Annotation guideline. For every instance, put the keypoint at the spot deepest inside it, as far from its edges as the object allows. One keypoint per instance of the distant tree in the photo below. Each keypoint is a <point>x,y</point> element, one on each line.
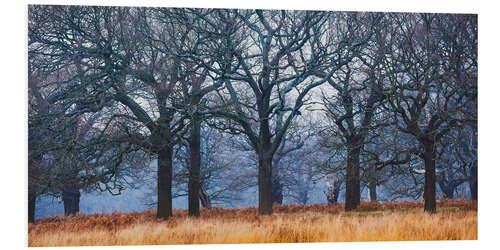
<point>181,34</point>
<point>116,67</point>
<point>220,98</point>
<point>63,147</point>
<point>358,88</point>
<point>456,162</point>
<point>291,143</point>
<point>433,65</point>
<point>269,76</point>
<point>333,189</point>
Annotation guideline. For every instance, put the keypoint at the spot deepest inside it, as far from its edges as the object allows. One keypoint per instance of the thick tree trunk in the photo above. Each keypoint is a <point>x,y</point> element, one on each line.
<point>265,184</point>
<point>353,188</point>
<point>164,206</point>
<point>372,187</point>
<point>71,200</point>
<point>473,181</point>
<point>31,208</point>
<point>430,178</point>
<point>194,168</point>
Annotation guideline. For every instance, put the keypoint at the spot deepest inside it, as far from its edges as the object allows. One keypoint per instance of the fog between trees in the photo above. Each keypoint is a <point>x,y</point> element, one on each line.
<point>225,101</point>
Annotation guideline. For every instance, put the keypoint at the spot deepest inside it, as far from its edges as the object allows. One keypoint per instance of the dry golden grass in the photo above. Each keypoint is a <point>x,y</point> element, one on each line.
<point>455,220</point>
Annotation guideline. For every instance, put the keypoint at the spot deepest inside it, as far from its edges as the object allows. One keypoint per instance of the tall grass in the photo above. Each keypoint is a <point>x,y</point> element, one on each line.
<point>455,220</point>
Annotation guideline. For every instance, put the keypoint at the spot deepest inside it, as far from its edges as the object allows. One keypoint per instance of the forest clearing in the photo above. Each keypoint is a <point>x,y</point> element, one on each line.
<point>372,221</point>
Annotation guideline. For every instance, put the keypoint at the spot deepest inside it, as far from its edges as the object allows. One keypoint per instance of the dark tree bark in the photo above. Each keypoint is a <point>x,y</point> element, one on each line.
<point>164,206</point>
<point>31,208</point>
<point>412,98</point>
<point>430,177</point>
<point>71,200</point>
<point>273,49</point>
<point>204,197</point>
<point>160,141</point>
<point>336,193</point>
<point>265,184</point>
<point>194,167</point>
<point>447,189</point>
<point>372,183</point>
<point>355,136</point>
<point>353,188</point>
<point>447,186</point>
<point>277,190</point>
<point>277,184</point>
<point>195,95</point>
<point>303,187</point>
<point>372,187</point>
<point>473,181</point>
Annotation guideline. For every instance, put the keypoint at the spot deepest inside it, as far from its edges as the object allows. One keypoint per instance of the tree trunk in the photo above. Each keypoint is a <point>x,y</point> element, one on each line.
<point>71,200</point>
<point>265,184</point>
<point>164,206</point>
<point>194,168</point>
<point>277,191</point>
<point>353,188</point>
<point>330,196</point>
<point>303,196</point>
<point>430,178</point>
<point>447,187</point>
<point>336,193</point>
<point>449,194</point>
<point>31,208</point>
<point>277,186</point>
<point>204,197</point>
<point>473,181</point>
<point>372,187</point>
<point>447,190</point>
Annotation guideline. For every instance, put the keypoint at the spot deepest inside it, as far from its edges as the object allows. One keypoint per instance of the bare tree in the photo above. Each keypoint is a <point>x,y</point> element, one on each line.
<point>63,147</point>
<point>269,76</point>
<point>103,43</point>
<point>358,90</point>
<point>432,60</point>
<point>110,87</point>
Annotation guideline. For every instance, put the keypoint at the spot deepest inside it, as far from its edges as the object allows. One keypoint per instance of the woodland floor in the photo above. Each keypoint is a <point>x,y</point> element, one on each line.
<point>372,221</point>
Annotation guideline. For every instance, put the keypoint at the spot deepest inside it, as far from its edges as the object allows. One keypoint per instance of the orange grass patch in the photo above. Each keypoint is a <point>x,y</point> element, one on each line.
<point>455,220</point>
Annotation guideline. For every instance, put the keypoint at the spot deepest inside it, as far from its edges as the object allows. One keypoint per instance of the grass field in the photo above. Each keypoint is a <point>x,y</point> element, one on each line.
<point>405,221</point>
